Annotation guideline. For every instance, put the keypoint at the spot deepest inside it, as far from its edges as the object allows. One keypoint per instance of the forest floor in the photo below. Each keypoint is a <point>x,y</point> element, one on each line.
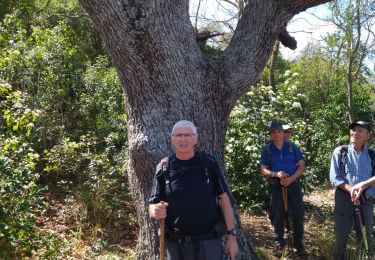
<point>119,241</point>
<point>318,227</point>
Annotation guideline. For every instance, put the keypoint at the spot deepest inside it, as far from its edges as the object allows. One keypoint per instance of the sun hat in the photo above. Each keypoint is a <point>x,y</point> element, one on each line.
<point>275,125</point>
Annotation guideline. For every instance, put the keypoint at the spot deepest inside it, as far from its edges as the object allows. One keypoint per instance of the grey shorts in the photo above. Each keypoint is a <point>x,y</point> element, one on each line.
<point>203,250</point>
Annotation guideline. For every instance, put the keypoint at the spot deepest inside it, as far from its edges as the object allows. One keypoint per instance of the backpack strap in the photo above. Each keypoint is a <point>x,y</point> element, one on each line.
<point>165,171</point>
<point>371,153</point>
<point>291,148</point>
<point>164,164</point>
<point>203,156</point>
<point>268,151</point>
<point>343,154</point>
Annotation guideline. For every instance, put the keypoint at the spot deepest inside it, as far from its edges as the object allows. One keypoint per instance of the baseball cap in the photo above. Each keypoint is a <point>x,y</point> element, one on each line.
<point>275,125</point>
<point>286,127</point>
<point>361,123</point>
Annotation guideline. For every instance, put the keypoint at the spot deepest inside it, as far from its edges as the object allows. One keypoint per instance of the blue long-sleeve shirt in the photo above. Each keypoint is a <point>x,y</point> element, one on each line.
<point>356,169</point>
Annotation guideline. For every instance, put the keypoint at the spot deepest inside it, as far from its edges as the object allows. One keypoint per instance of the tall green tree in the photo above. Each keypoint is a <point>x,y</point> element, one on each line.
<point>353,41</point>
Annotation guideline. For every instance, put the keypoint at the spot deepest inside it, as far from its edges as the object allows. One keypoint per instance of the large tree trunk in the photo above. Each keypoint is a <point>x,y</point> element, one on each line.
<point>167,78</point>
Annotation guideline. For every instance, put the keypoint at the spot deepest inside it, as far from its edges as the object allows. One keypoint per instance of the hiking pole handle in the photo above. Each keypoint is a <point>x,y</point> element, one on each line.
<point>162,237</point>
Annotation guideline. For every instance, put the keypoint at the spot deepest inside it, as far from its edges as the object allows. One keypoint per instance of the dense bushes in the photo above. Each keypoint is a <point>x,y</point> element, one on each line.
<point>248,134</point>
<point>63,128</point>
<point>311,98</point>
<point>20,195</point>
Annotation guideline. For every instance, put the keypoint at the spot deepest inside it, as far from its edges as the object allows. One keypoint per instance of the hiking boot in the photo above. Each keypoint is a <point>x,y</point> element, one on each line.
<point>278,250</point>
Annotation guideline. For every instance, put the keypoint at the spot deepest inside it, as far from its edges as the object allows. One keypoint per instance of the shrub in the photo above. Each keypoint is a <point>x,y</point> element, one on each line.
<point>20,195</point>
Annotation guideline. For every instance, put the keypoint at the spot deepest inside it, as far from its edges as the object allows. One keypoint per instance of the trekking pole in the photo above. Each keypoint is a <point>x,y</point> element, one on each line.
<point>285,198</point>
<point>161,249</point>
<point>162,236</point>
<point>361,227</point>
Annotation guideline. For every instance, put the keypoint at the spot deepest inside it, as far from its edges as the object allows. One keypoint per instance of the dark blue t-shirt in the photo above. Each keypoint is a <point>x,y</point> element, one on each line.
<point>191,194</point>
<point>284,159</point>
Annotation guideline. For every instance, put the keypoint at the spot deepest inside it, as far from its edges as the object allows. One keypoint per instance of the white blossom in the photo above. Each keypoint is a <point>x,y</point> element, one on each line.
<point>287,73</point>
<point>296,105</point>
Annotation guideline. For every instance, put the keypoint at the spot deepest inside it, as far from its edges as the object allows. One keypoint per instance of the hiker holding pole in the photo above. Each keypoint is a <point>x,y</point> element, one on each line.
<point>190,193</point>
<point>351,165</point>
<point>357,189</point>
<point>283,164</point>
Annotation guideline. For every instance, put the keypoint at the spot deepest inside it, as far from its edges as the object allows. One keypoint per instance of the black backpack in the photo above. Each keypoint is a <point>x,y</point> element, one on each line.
<point>165,168</point>
<point>344,155</point>
<point>219,227</point>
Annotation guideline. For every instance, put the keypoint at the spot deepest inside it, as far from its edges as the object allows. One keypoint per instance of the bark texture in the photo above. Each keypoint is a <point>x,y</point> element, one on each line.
<point>166,78</point>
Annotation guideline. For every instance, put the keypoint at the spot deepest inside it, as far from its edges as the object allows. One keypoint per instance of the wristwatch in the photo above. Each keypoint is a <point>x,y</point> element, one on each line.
<point>233,232</point>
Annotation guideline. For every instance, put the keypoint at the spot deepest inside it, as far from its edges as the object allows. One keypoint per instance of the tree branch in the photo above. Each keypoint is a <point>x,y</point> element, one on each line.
<point>257,30</point>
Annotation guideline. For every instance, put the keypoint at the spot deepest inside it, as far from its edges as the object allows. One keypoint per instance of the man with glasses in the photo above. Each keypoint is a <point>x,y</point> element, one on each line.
<point>350,165</point>
<point>282,162</point>
<point>190,193</point>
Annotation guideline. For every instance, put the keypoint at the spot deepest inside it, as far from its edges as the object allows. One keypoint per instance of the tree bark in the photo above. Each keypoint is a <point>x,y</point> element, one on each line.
<point>166,78</point>
<point>271,77</point>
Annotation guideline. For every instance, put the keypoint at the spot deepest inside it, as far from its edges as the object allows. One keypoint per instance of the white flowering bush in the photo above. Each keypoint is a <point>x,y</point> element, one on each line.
<point>248,134</point>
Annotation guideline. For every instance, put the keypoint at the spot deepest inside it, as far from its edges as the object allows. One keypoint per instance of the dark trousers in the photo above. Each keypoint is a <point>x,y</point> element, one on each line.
<point>296,210</point>
<point>344,218</point>
<point>195,250</point>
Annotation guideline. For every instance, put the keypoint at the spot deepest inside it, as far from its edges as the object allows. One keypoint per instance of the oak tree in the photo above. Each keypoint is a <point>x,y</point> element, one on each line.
<point>166,77</point>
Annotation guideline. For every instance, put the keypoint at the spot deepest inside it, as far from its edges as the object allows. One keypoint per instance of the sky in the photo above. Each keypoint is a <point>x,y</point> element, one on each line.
<point>305,27</point>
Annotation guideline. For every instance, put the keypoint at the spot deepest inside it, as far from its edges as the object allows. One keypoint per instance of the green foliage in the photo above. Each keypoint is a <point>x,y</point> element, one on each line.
<point>282,65</point>
<point>248,134</point>
<point>20,195</point>
<point>63,129</point>
<point>212,50</point>
<point>311,97</point>
<point>75,150</point>
<point>93,177</point>
<point>48,63</point>
<point>324,85</point>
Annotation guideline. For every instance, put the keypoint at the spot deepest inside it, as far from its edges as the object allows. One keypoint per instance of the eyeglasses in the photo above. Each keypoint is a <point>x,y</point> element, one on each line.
<point>180,136</point>
<point>287,131</point>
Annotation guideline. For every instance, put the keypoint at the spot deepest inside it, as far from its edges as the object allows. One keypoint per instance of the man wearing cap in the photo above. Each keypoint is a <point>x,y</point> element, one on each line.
<point>287,132</point>
<point>351,164</point>
<point>282,162</point>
